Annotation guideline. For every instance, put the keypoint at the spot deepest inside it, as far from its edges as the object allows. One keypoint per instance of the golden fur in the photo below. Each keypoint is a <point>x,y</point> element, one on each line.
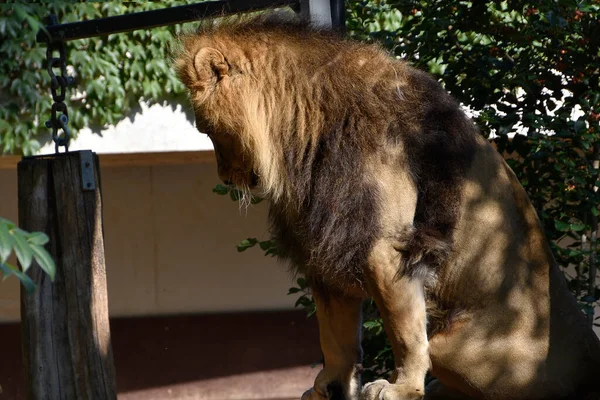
<point>278,102</point>
<point>380,186</point>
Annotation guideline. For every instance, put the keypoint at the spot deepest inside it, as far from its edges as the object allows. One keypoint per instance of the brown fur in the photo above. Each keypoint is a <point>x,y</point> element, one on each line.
<point>377,181</point>
<point>307,136</point>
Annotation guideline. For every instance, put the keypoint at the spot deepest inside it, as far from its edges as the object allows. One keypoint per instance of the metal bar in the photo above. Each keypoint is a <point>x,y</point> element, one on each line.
<point>338,15</point>
<point>154,18</point>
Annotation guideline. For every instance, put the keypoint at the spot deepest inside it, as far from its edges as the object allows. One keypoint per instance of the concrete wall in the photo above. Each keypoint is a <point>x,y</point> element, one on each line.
<point>170,245</point>
<point>170,241</point>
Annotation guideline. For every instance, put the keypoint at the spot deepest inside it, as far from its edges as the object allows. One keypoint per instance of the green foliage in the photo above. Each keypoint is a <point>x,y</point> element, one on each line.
<point>112,73</point>
<point>27,247</point>
<point>305,299</point>
<point>267,246</point>
<point>378,359</point>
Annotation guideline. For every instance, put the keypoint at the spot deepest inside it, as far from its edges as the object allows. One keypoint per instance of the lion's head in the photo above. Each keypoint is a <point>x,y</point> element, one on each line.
<point>234,101</point>
<point>265,96</point>
<point>216,84</point>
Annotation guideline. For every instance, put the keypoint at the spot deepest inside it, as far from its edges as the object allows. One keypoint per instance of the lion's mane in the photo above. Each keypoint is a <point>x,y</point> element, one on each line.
<point>316,109</point>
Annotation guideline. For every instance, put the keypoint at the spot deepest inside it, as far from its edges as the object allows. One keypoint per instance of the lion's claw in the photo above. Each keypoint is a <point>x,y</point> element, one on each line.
<point>383,390</point>
<point>374,390</point>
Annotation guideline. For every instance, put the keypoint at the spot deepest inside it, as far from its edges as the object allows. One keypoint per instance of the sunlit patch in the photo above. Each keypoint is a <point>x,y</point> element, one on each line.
<point>249,385</point>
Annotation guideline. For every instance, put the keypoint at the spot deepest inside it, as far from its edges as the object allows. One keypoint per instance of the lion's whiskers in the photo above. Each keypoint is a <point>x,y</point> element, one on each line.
<point>245,197</point>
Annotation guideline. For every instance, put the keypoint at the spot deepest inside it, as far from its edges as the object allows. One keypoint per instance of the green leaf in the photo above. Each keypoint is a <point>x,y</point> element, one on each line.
<point>271,252</point>
<point>577,227</point>
<point>561,226</point>
<point>44,260</point>
<point>221,189</point>
<point>8,270</point>
<point>579,125</point>
<point>256,199</point>
<point>301,282</point>
<point>266,245</point>
<point>236,194</point>
<point>371,324</point>
<point>303,301</point>
<point>6,241</point>
<point>246,244</point>
<point>38,238</point>
<point>22,249</point>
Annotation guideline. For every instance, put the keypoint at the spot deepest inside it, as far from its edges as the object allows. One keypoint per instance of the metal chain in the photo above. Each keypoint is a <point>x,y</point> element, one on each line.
<point>59,117</point>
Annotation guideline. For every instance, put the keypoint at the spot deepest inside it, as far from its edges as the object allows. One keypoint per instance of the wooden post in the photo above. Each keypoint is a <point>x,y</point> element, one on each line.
<point>65,329</point>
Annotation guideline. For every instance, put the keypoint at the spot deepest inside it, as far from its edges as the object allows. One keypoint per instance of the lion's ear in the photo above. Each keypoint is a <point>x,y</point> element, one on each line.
<point>210,62</point>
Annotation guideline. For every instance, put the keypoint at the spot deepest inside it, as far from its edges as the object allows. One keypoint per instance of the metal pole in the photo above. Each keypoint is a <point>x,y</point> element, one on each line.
<point>154,18</point>
<point>318,12</point>
<point>338,15</point>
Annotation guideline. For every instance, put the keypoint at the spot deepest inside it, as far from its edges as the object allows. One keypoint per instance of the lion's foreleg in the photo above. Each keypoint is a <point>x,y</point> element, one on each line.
<point>401,302</point>
<point>339,330</point>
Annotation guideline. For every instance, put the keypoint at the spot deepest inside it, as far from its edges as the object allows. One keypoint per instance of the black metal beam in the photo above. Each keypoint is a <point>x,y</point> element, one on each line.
<point>338,15</point>
<point>154,18</point>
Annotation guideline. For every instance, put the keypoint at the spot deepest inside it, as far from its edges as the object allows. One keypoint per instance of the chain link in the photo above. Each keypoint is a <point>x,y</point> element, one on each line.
<point>59,117</point>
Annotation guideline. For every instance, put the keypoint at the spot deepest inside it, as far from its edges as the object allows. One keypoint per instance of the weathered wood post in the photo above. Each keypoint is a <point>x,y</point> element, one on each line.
<point>65,329</point>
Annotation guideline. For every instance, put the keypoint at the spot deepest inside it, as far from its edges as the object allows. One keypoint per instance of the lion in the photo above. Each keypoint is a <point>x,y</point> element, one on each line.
<point>380,186</point>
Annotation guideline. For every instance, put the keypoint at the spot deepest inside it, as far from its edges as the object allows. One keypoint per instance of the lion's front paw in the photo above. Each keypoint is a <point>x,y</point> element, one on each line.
<point>383,390</point>
<point>335,384</point>
<point>312,394</point>
<point>324,391</point>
